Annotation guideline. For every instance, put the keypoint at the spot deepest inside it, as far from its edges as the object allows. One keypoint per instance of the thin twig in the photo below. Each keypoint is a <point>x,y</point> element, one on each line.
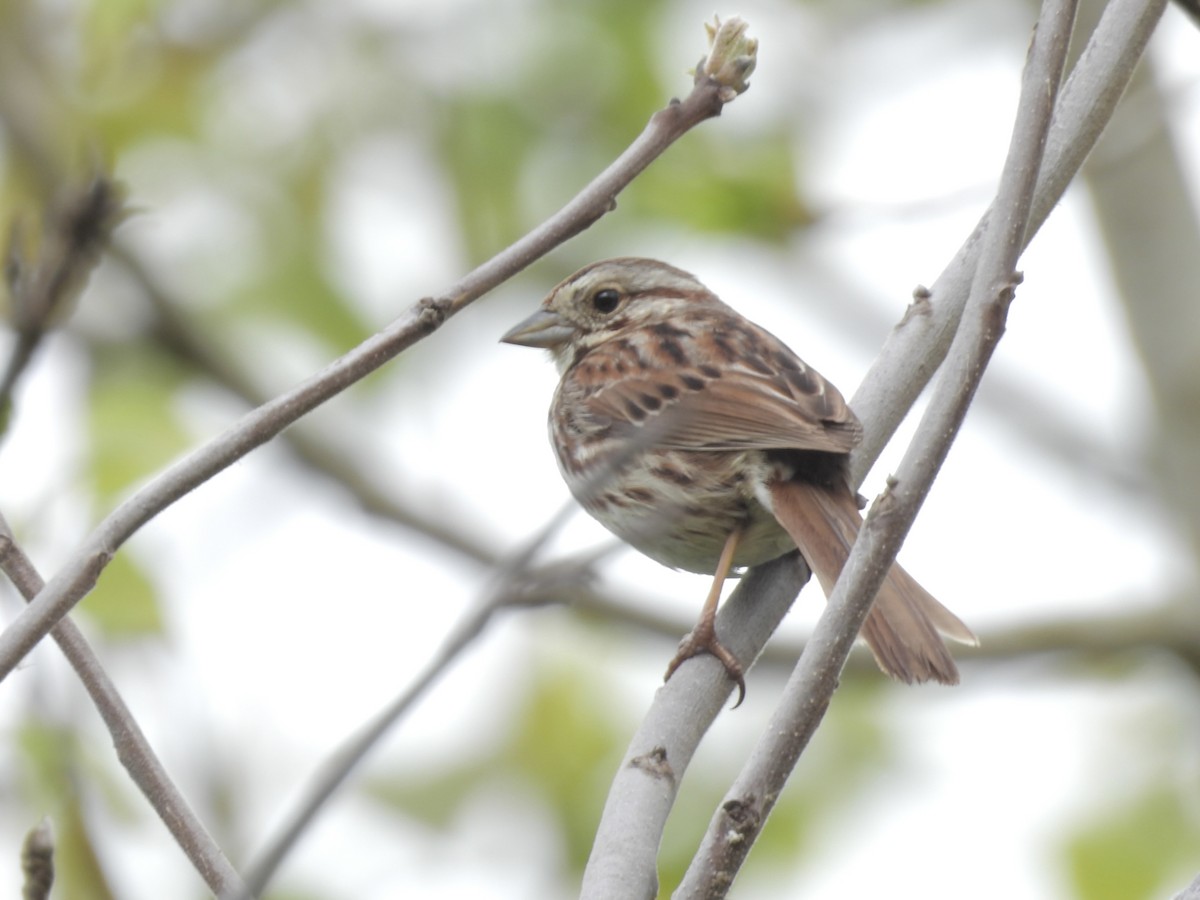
<point>187,339</point>
<point>515,586</point>
<point>133,750</point>
<point>915,348</point>
<point>1052,428</point>
<point>79,573</point>
<point>904,366</point>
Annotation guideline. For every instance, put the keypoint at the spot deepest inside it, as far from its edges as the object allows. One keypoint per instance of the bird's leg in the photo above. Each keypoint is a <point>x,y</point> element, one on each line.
<point>703,638</point>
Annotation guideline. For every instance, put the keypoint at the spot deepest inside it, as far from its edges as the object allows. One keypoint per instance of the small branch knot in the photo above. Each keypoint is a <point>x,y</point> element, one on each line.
<point>654,763</point>
<point>433,311</point>
<point>1009,291</point>
<point>742,818</point>
<point>884,505</point>
<point>922,304</point>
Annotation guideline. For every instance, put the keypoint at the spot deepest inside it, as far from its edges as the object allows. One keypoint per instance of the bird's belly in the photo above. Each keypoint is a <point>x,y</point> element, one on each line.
<point>679,507</point>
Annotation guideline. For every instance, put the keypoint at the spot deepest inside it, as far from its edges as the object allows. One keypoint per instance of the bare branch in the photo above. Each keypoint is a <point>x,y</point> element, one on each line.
<point>78,575</point>
<point>133,750</point>
<point>623,860</point>
<point>718,80</point>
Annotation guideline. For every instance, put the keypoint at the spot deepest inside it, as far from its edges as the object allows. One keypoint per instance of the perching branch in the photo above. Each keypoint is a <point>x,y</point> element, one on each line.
<point>718,80</point>
<point>740,818</point>
<point>624,854</point>
<point>133,750</point>
<point>622,868</point>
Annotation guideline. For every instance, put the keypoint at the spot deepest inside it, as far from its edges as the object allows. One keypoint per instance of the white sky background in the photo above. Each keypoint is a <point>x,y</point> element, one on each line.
<point>911,114</point>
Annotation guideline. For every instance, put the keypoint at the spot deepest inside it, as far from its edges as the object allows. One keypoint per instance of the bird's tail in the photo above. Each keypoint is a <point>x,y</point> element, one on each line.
<point>905,625</point>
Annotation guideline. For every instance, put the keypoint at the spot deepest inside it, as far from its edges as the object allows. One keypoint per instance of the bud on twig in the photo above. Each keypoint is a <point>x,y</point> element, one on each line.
<point>37,861</point>
<point>731,56</point>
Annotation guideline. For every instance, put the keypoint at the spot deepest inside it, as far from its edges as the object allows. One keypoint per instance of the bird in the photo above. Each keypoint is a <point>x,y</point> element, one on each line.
<point>703,441</point>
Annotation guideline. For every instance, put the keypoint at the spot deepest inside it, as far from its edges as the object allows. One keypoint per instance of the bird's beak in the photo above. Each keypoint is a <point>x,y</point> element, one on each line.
<point>545,328</point>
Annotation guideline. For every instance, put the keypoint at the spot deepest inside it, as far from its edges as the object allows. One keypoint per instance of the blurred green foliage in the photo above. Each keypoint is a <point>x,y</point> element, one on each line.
<point>255,110</point>
<point>1137,850</point>
<point>565,743</point>
<point>133,428</point>
<point>124,603</point>
<point>1142,843</point>
<point>569,737</point>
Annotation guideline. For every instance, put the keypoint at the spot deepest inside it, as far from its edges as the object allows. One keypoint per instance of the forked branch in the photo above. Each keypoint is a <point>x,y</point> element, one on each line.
<point>681,713</point>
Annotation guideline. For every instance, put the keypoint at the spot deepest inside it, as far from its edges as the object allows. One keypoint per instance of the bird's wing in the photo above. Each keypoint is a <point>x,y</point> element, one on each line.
<point>713,389</point>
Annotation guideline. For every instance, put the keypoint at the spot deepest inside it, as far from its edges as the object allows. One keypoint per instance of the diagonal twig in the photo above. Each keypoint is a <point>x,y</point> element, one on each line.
<point>514,583</point>
<point>133,749</point>
<point>513,586</point>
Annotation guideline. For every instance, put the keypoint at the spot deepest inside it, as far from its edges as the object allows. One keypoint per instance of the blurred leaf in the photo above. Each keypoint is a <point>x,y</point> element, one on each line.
<point>589,88</point>
<point>598,68</point>
<point>291,282</point>
<point>293,288</point>
<point>112,21</point>
<point>565,742</point>
<point>124,603</point>
<point>434,800</point>
<point>569,742</point>
<point>136,85</point>
<point>484,141</point>
<point>746,189</point>
<point>131,419</point>
<point>1132,852</point>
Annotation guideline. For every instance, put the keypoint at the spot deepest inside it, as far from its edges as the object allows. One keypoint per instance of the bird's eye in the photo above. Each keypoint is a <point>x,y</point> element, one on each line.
<point>606,301</point>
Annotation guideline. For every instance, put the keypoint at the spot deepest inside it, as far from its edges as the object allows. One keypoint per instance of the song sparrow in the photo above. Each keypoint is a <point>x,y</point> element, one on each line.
<point>703,441</point>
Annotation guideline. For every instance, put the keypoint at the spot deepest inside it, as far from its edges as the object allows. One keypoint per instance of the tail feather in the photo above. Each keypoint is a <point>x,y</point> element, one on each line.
<point>905,624</point>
